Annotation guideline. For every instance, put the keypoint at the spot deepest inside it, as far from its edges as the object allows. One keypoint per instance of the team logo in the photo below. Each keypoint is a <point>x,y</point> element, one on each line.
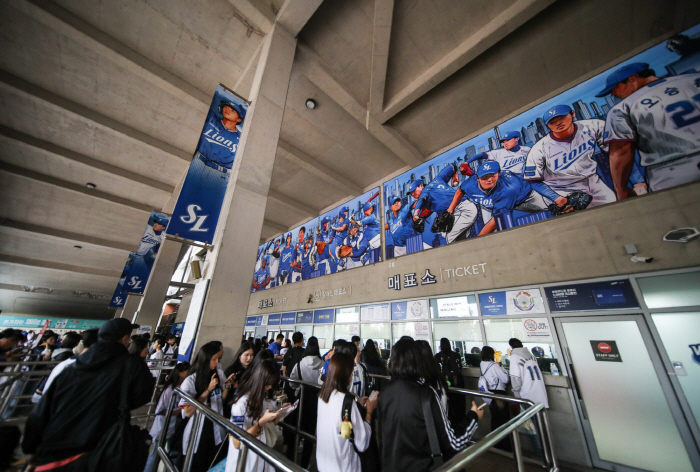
<point>523,301</point>
<point>416,309</point>
<point>487,166</point>
<point>695,348</point>
<point>530,325</point>
<point>193,217</point>
<point>135,282</point>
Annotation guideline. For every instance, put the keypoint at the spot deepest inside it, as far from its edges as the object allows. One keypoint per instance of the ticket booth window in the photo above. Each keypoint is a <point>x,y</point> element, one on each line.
<point>380,333</point>
<point>671,291</point>
<point>324,334</point>
<point>464,337</point>
<point>498,332</point>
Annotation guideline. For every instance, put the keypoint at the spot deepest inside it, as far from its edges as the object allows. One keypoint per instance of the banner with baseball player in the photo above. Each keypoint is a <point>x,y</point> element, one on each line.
<point>346,237</point>
<point>138,266</point>
<point>197,209</point>
<point>630,130</point>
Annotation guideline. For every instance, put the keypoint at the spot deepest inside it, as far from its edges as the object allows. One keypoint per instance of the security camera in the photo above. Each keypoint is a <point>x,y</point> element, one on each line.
<point>642,259</point>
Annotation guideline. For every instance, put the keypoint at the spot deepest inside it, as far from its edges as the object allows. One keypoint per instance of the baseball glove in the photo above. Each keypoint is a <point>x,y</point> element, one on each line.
<point>574,201</point>
<point>320,246</point>
<point>465,169</point>
<point>419,225</point>
<point>443,223</point>
<point>345,251</point>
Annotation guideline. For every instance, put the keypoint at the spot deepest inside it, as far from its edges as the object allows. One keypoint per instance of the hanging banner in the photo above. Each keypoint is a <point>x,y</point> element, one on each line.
<point>346,237</point>
<point>197,209</point>
<point>119,297</point>
<point>643,114</point>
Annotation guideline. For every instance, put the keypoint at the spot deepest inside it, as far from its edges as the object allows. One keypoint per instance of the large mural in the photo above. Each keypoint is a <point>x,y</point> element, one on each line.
<point>630,130</point>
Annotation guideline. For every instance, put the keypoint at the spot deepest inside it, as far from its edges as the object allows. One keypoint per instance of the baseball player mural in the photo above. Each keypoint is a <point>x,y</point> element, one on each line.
<point>144,257</point>
<point>628,131</point>
<point>345,237</point>
<point>197,209</point>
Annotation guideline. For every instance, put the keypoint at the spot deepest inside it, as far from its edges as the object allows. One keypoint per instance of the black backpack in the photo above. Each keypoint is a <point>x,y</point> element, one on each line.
<point>369,458</point>
<point>123,446</point>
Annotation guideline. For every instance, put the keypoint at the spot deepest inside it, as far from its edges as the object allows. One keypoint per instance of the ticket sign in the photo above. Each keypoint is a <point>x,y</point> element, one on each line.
<point>593,296</point>
<point>324,316</point>
<point>251,321</point>
<point>289,318</point>
<point>413,310</point>
<point>273,320</point>
<point>606,351</point>
<point>305,317</point>
<point>513,302</point>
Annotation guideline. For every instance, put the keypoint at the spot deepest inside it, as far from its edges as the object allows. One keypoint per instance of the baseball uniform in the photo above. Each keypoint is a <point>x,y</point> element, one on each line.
<point>286,258</point>
<point>401,228</point>
<point>512,160</point>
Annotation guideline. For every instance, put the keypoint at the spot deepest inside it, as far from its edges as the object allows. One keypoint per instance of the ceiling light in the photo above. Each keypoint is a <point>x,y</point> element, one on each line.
<point>90,185</point>
<point>77,247</point>
<point>310,103</point>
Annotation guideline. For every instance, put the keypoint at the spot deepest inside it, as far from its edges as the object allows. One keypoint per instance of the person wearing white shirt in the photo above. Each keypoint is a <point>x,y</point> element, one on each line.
<point>496,381</point>
<point>157,355</point>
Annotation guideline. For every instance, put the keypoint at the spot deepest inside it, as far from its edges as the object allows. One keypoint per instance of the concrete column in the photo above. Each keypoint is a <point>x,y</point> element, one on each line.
<point>131,306</point>
<point>151,305</point>
<point>231,263</point>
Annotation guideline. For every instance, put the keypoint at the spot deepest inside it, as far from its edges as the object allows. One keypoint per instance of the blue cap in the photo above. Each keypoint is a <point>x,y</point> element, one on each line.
<point>266,259</point>
<point>487,168</point>
<point>235,106</point>
<point>289,235</point>
<point>367,206</point>
<point>556,110</point>
<point>161,219</point>
<point>325,220</point>
<point>511,135</point>
<point>414,185</point>
<point>623,73</point>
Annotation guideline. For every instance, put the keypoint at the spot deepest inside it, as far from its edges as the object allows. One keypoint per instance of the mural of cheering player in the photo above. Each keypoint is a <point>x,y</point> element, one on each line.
<point>298,250</point>
<point>286,259</point>
<point>434,197</point>
<point>340,225</point>
<point>657,118</point>
<point>510,157</point>
<point>499,192</point>
<point>307,257</point>
<point>400,226</point>
<point>273,254</point>
<point>324,257</point>
<point>261,279</point>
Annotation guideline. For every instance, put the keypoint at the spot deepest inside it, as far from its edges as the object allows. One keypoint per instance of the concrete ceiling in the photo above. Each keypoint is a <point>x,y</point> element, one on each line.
<point>114,92</point>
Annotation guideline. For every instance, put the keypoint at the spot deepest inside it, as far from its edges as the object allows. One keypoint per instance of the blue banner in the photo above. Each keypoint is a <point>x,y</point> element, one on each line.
<point>289,318</point>
<point>324,316</point>
<point>493,303</point>
<point>119,297</point>
<point>273,320</point>
<point>251,321</point>
<point>305,317</point>
<point>177,329</point>
<point>197,209</point>
<point>398,311</point>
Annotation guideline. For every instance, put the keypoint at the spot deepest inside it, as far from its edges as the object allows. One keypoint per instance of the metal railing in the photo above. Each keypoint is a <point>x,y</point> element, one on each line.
<point>19,378</point>
<point>247,441</point>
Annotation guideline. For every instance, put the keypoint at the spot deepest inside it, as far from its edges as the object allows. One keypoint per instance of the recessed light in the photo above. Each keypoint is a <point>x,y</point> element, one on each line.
<point>77,247</point>
<point>310,103</point>
<point>90,185</point>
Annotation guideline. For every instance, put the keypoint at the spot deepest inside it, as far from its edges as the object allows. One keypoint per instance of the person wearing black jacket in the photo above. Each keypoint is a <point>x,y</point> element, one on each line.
<point>404,438</point>
<point>82,403</point>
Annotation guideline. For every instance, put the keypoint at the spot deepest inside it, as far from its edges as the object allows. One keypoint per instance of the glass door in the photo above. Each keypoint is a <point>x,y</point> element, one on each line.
<point>630,416</point>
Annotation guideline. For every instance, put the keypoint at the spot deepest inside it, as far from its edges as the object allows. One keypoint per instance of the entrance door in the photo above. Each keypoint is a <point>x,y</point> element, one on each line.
<point>630,416</point>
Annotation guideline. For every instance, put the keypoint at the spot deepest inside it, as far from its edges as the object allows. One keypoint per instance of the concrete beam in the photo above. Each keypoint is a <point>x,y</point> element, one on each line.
<point>294,14</point>
<point>25,261</point>
<point>57,233</point>
<point>508,21</point>
<point>277,227</point>
<point>256,12</point>
<point>55,291</point>
<point>30,141</point>
<point>9,81</point>
<point>320,74</point>
<point>66,23</point>
<point>30,174</point>
<point>290,203</point>
<point>305,161</point>
<point>381,36</point>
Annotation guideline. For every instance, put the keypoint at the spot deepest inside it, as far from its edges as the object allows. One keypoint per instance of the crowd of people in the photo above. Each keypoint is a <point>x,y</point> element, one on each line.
<point>410,422</point>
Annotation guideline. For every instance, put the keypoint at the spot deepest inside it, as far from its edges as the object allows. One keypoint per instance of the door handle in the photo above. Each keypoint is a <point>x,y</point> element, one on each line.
<point>578,391</point>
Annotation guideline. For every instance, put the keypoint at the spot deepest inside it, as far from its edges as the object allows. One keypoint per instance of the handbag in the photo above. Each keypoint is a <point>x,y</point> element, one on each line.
<point>484,385</point>
<point>369,458</point>
<point>123,446</point>
<point>435,452</point>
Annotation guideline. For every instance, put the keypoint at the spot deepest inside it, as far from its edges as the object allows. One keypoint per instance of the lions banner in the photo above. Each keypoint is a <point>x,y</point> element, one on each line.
<point>197,210</point>
<point>346,237</point>
<point>630,130</point>
<point>138,266</point>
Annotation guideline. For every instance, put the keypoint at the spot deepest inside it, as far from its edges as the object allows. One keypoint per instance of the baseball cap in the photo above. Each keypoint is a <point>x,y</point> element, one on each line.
<point>235,106</point>
<point>161,219</point>
<point>396,200</point>
<point>623,73</point>
<point>116,328</point>
<point>289,235</point>
<point>367,206</point>
<point>511,135</point>
<point>325,220</point>
<point>487,168</point>
<point>556,110</point>
<point>415,185</point>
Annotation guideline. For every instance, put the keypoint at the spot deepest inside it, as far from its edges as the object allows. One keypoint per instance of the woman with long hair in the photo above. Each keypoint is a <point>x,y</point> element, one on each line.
<point>404,442</point>
<point>206,386</point>
<point>138,347</point>
<point>496,380</point>
<point>372,359</point>
<point>430,371</point>
<point>252,410</point>
<point>173,380</point>
<point>332,451</point>
<point>263,355</point>
<point>451,368</point>
<point>241,362</point>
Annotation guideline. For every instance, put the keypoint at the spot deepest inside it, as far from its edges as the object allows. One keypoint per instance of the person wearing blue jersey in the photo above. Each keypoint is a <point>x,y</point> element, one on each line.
<point>262,276</point>
<point>360,248</point>
<point>308,258</point>
<point>286,259</point>
<point>144,258</point>
<point>371,226</point>
<point>434,198</point>
<point>510,157</point>
<point>339,225</point>
<point>500,192</point>
<point>273,255</point>
<point>219,142</point>
<point>323,249</point>
<point>298,250</point>
<point>400,225</point>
